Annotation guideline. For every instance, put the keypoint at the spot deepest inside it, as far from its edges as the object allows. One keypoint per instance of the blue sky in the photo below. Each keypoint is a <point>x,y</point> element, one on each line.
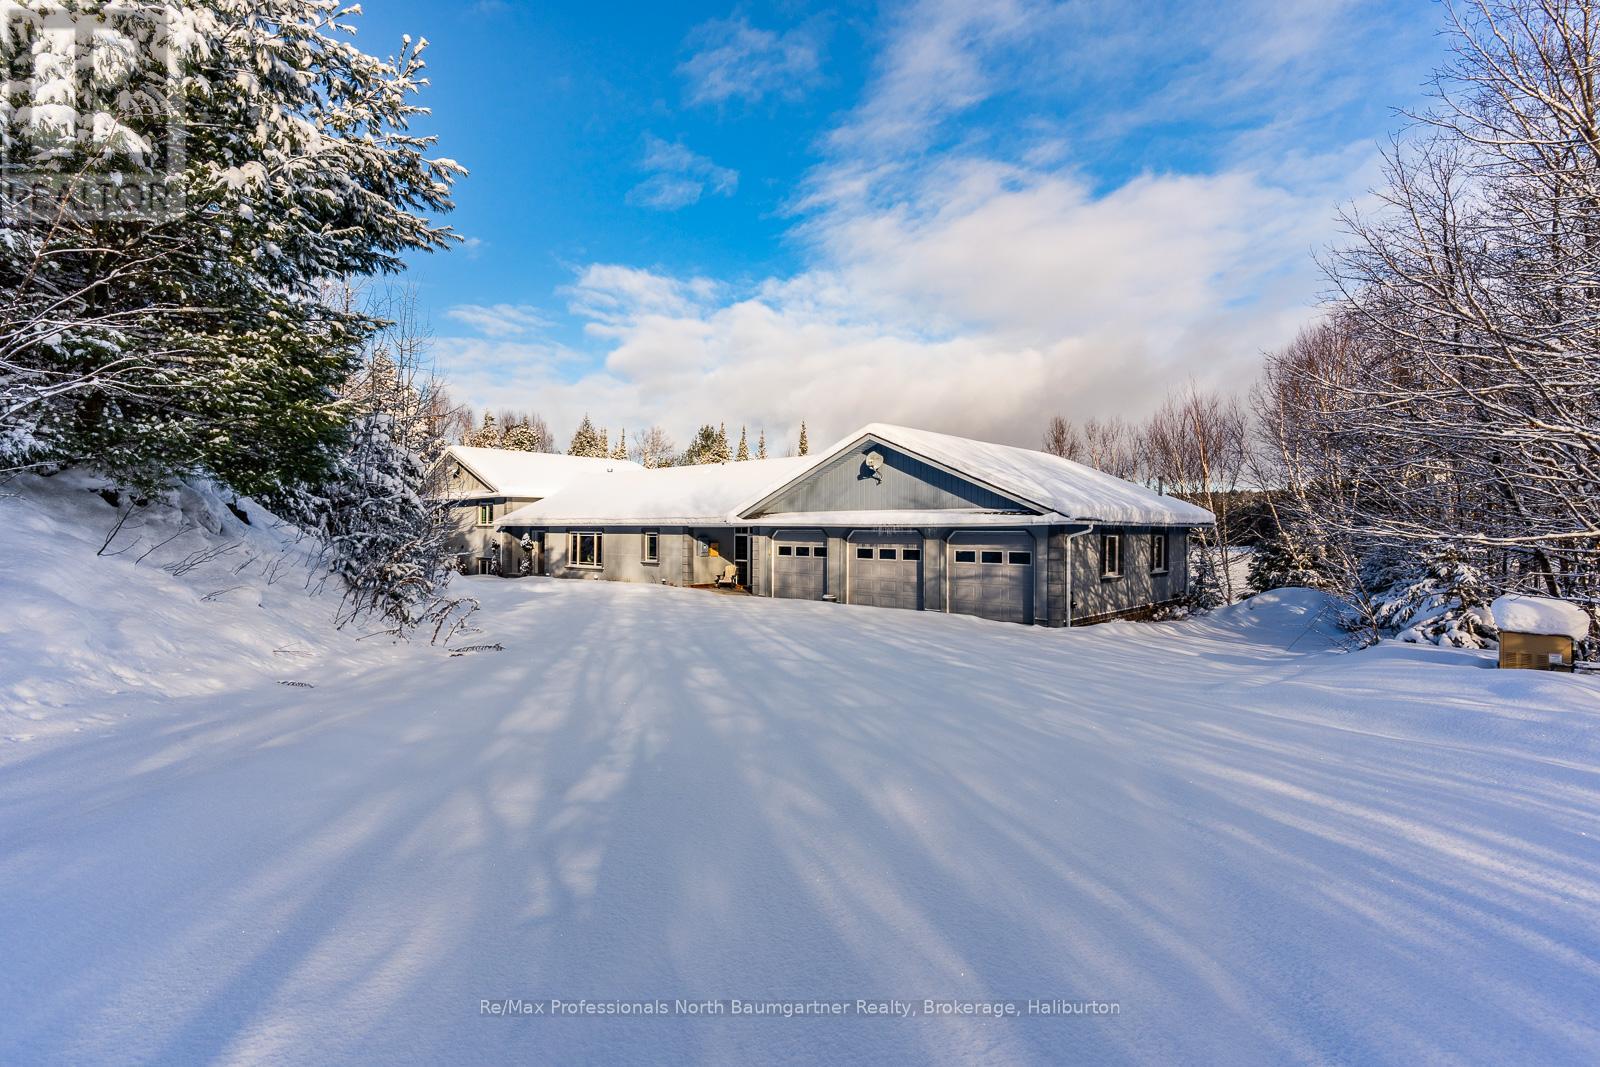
<point>962,216</point>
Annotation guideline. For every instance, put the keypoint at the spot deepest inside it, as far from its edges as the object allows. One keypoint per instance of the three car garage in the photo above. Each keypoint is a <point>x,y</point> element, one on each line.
<point>990,575</point>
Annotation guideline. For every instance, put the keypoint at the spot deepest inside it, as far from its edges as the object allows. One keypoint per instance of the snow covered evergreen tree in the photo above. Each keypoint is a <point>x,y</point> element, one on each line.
<point>521,437</point>
<point>1444,600</point>
<point>761,445</point>
<point>381,529</point>
<point>744,447</point>
<point>805,445</point>
<point>1284,559</point>
<point>487,435</point>
<point>587,441</point>
<point>704,448</point>
<point>187,334</point>
<point>621,451</point>
<point>722,452</point>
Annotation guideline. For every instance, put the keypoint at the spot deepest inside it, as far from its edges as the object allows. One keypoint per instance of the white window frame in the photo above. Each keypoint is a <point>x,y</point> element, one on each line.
<point>1110,548</point>
<point>1158,552</point>
<point>647,553</point>
<point>574,539</point>
<point>485,514</point>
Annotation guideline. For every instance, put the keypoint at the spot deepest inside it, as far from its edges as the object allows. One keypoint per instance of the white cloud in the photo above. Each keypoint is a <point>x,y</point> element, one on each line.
<point>499,320</point>
<point>735,60</point>
<point>983,300</point>
<point>934,64</point>
<point>980,288</point>
<point>681,177</point>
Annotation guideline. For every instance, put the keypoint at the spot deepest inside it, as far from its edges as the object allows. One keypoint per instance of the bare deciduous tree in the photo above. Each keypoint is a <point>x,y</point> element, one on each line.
<point>653,448</point>
<point>1196,445</point>
<point>1470,418</point>
<point>1061,438</point>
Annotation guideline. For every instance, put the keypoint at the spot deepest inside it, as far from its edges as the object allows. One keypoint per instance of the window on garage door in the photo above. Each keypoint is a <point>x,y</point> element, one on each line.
<point>886,575</point>
<point>993,581</point>
<point>799,570</point>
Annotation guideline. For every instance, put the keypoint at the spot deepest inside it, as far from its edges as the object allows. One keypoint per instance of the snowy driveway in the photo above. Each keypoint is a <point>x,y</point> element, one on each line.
<point>652,794</point>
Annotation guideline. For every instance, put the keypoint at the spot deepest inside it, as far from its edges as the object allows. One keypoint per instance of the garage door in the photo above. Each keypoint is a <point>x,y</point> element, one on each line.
<point>799,569</point>
<point>886,575</point>
<point>993,581</point>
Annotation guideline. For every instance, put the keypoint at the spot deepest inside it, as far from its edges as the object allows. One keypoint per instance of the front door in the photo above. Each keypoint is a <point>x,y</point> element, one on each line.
<point>741,557</point>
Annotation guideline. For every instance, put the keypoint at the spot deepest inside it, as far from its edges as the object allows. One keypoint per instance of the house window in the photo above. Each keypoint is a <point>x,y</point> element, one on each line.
<point>863,553</point>
<point>820,550</point>
<point>802,550</point>
<point>1111,555</point>
<point>887,553</point>
<point>912,554</point>
<point>993,557</point>
<point>1158,553</point>
<point>584,549</point>
<point>650,550</point>
<point>785,550</point>
<point>485,514</point>
<point>1020,559</point>
<point>966,555</point>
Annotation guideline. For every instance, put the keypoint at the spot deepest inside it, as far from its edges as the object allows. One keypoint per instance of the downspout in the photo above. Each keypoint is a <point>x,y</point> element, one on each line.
<point>1071,537</point>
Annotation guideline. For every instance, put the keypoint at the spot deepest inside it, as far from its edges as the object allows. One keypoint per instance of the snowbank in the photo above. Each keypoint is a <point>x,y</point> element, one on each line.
<point>1540,615</point>
<point>185,598</point>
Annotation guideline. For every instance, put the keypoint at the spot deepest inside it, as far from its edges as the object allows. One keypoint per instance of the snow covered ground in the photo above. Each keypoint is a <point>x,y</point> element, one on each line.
<point>1258,847</point>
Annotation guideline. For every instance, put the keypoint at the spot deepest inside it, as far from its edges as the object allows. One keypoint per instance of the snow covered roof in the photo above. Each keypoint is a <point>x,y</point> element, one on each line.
<point>1054,485</point>
<point>1540,615</point>
<point>702,494</point>
<point>511,472</point>
<point>907,519</point>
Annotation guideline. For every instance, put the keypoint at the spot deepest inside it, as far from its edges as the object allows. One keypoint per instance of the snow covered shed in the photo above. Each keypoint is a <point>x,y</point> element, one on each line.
<point>482,485</point>
<point>888,517</point>
<point>1538,633</point>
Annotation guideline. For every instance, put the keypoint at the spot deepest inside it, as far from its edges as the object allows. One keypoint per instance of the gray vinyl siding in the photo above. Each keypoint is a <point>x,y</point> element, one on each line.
<point>469,542</point>
<point>679,561</point>
<point>461,482</point>
<point>908,484</point>
<point>621,554</point>
<point>1095,596</point>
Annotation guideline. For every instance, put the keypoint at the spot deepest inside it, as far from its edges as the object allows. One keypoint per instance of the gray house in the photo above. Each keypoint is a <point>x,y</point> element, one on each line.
<point>889,517</point>
<point>483,485</point>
